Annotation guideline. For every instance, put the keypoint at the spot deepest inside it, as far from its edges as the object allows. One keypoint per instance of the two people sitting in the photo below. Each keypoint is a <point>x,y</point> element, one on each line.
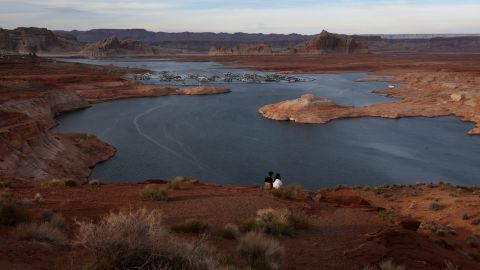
<point>273,182</point>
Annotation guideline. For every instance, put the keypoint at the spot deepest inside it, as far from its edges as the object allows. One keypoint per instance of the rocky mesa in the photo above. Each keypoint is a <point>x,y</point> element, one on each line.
<point>241,49</point>
<point>25,40</point>
<point>329,43</point>
<point>111,47</point>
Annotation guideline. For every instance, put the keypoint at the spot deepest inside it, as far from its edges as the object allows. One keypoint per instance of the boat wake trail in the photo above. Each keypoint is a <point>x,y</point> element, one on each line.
<point>193,161</point>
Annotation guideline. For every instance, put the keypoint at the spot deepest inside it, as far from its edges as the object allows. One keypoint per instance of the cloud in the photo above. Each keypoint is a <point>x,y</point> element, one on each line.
<point>280,16</point>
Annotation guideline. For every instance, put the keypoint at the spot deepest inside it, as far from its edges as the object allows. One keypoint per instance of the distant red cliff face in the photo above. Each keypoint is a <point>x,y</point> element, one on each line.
<point>328,43</point>
<point>242,49</point>
<point>111,47</point>
<point>26,40</point>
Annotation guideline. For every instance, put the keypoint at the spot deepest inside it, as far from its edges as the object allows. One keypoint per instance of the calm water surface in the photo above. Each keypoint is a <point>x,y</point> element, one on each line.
<point>222,139</point>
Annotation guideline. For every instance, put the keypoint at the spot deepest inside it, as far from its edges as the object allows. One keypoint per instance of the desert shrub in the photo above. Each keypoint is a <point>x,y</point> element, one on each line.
<point>54,219</point>
<point>5,183</point>
<point>475,221</point>
<point>153,193</point>
<point>52,183</point>
<point>450,266</point>
<point>70,183</point>
<point>288,192</point>
<point>387,215</point>
<point>260,251</point>
<point>44,232</point>
<point>385,265</point>
<point>137,239</point>
<point>435,206</point>
<point>437,228</point>
<point>12,213</point>
<point>276,222</point>
<point>175,184</point>
<point>230,231</point>
<point>474,256</point>
<point>191,225</point>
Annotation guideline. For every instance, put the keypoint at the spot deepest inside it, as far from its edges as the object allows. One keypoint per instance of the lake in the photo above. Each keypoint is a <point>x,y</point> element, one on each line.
<point>222,139</point>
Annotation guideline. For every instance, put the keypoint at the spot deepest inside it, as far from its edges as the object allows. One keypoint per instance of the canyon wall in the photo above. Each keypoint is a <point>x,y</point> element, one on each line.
<point>242,49</point>
<point>26,40</point>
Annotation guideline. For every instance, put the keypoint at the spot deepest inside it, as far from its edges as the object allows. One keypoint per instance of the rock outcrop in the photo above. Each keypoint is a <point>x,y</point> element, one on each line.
<point>242,49</point>
<point>328,43</point>
<point>203,90</point>
<point>111,47</point>
<point>306,109</point>
<point>26,40</point>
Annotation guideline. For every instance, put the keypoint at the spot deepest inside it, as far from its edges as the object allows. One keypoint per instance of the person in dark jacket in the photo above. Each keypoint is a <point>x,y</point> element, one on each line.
<point>268,181</point>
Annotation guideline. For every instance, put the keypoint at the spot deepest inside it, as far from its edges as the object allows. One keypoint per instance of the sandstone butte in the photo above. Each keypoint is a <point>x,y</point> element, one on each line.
<point>33,92</point>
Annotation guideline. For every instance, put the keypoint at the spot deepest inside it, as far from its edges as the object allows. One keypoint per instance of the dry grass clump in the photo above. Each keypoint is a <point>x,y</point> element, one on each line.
<point>191,225</point>
<point>137,240</point>
<point>260,252</point>
<point>230,231</point>
<point>55,219</point>
<point>44,232</point>
<point>276,222</point>
<point>385,265</point>
<point>387,215</point>
<point>288,192</point>
<point>153,193</point>
<point>12,213</point>
<point>175,184</point>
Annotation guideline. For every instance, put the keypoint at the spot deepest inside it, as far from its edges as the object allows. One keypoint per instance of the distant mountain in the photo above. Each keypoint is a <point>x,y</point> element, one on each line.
<point>188,41</point>
<point>26,40</point>
<point>242,49</point>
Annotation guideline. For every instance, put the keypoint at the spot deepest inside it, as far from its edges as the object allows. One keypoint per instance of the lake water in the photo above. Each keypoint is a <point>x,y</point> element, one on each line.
<point>222,139</point>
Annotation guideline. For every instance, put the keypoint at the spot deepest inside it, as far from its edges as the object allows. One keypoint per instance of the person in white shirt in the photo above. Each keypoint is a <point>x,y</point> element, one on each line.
<point>278,182</point>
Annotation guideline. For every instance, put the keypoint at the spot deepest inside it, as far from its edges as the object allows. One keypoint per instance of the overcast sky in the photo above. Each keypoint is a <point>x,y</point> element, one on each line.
<point>265,16</point>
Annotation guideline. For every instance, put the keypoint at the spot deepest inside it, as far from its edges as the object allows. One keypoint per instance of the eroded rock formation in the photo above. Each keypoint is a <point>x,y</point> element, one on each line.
<point>328,43</point>
<point>26,40</point>
<point>242,49</point>
<point>111,47</point>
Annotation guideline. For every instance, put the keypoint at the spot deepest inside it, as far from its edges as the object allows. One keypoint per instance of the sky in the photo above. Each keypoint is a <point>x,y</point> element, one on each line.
<point>260,16</point>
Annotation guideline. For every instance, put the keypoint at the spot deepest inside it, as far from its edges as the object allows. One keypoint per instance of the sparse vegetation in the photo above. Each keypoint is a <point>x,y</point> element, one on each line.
<point>191,225</point>
<point>387,216</point>
<point>70,183</point>
<point>44,232</point>
<point>288,192</point>
<point>276,222</point>
<point>475,256</point>
<point>153,193</point>
<point>465,216</point>
<point>260,251</point>
<point>230,231</point>
<point>12,213</point>
<point>475,221</point>
<point>437,228</point>
<point>54,219</point>
<point>385,265</point>
<point>137,239</point>
<point>435,206</point>
<point>175,184</point>
<point>444,243</point>
<point>450,266</point>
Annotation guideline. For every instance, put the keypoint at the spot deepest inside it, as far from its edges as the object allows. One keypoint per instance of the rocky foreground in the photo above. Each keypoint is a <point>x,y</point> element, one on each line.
<point>421,227</point>
<point>35,90</point>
